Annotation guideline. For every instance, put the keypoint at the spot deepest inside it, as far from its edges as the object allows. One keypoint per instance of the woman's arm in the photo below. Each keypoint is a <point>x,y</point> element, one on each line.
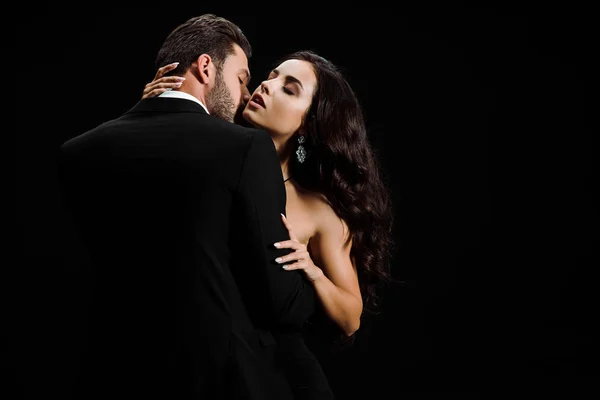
<point>335,280</point>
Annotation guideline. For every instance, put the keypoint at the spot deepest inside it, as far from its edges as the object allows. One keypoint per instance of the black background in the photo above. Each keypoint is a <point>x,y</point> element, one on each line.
<point>482,119</point>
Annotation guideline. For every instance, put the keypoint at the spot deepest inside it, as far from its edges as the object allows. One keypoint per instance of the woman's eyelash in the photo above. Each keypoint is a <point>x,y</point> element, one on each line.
<point>288,91</point>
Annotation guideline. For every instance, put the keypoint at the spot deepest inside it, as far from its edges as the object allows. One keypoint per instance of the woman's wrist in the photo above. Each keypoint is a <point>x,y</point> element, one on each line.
<point>316,275</point>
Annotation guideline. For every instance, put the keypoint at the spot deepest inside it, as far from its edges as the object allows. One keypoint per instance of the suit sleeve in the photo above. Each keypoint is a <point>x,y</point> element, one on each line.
<point>286,296</point>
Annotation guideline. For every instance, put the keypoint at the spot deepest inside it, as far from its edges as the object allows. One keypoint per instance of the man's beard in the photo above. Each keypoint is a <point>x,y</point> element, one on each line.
<point>220,102</point>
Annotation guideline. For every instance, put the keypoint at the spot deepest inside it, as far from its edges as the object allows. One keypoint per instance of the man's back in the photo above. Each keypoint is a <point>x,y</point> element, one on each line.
<point>162,195</point>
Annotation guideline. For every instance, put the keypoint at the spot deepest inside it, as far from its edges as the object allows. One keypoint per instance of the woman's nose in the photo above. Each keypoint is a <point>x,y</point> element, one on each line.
<point>264,88</point>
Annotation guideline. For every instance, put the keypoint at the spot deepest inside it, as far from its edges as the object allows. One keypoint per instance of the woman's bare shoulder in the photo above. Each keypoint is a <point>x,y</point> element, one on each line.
<point>316,202</point>
<point>323,213</point>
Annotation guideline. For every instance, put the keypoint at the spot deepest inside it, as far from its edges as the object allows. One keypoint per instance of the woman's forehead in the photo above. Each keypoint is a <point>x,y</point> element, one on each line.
<point>299,69</point>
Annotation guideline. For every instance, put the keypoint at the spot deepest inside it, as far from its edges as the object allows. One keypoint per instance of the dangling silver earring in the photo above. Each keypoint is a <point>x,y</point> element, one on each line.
<point>301,152</point>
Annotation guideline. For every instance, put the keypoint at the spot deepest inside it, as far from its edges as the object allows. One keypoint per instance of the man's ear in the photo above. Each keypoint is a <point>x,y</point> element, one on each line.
<point>204,68</point>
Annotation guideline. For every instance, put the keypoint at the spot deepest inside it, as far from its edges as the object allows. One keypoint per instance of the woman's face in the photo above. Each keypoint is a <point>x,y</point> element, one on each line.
<point>279,103</point>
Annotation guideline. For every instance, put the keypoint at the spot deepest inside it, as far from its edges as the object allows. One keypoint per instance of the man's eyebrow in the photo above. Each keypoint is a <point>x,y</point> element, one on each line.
<point>289,78</point>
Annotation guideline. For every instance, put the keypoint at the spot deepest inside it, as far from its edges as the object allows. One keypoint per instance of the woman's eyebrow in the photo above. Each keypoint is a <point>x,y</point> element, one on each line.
<point>289,78</point>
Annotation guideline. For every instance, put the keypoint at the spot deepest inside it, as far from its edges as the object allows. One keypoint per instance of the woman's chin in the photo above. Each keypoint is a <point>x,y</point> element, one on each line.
<point>241,119</point>
<point>248,117</point>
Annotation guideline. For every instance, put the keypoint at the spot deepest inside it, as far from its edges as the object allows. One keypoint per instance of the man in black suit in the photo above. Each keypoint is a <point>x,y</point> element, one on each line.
<point>179,208</point>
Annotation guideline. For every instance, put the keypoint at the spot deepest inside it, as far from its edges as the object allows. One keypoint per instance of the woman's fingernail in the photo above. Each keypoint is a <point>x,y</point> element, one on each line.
<point>277,244</point>
<point>278,260</point>
<point>282,215</point>
<point>285,267</point>
<point>175,63</point>
<point>180,78</point>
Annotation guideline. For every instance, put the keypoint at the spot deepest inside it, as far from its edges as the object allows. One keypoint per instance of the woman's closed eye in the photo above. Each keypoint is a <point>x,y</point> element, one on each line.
<point>287,91</point>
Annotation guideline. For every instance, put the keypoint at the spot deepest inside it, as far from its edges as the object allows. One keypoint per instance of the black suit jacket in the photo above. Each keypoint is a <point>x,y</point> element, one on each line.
<point>179,211</point>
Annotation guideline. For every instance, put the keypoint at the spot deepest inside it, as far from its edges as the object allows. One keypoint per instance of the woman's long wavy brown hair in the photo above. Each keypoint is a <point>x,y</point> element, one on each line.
<point>342,165</point>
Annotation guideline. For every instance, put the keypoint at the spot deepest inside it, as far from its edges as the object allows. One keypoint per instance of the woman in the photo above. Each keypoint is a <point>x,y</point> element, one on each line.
<point>338,208</point>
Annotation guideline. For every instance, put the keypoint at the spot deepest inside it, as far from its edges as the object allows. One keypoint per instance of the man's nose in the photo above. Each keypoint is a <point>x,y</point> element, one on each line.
<point>246,95</point>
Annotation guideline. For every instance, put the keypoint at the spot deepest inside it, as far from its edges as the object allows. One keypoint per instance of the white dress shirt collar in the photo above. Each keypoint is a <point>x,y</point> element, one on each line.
<point>182,95</point>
